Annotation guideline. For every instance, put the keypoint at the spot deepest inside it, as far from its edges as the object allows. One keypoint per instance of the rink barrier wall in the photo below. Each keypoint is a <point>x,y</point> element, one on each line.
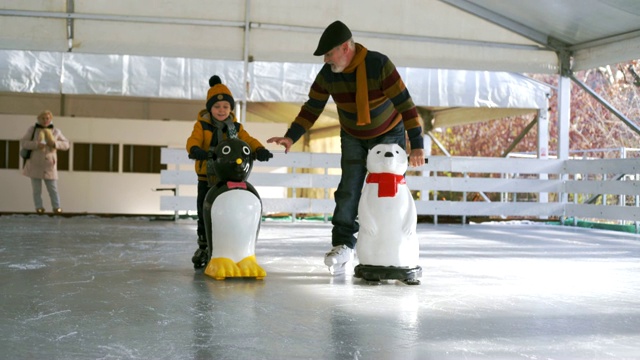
<point>526,187</point>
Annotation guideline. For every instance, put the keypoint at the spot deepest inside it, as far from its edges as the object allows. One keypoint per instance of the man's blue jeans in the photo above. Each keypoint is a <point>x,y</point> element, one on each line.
<point>354,170</point>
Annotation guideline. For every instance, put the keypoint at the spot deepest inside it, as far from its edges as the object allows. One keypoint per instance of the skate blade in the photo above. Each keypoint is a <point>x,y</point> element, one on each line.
<point>338,269</point>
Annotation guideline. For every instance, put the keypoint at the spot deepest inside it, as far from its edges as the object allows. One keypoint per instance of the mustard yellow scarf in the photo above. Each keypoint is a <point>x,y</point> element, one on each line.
<point>362,89</point>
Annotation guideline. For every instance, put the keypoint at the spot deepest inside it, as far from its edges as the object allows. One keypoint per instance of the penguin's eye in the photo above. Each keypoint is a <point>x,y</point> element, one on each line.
<point>378,152</point>
<point>226,150</point>
<point>246,150</point>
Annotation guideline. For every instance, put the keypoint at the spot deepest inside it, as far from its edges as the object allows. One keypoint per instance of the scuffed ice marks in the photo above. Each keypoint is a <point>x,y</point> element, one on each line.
<point>28,266</point>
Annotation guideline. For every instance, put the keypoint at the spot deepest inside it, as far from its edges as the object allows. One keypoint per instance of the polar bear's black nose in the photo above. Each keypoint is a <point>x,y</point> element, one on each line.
<point>388,154</point>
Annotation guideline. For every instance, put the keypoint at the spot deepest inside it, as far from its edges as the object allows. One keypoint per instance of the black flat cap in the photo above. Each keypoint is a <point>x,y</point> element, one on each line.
<point>334,35</point>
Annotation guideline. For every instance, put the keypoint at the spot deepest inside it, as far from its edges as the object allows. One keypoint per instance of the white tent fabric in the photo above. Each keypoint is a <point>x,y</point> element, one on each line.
<point>165,49</point>
<point>494,35</point>
<point>180,78</point>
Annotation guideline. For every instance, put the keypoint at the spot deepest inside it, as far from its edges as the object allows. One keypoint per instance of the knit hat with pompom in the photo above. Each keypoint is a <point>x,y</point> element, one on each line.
<point>218,92</point>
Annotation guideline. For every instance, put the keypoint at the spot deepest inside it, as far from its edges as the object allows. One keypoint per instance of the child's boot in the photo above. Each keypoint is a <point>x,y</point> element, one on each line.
<point>200,257</point>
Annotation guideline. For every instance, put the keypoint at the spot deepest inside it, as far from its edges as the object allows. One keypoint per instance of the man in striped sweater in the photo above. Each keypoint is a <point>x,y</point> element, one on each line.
<point>374,107</point>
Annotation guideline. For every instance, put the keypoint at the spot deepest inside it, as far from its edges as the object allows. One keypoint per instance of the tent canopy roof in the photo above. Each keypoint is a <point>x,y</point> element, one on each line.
<point>494,35</point>
<point>186,40</point>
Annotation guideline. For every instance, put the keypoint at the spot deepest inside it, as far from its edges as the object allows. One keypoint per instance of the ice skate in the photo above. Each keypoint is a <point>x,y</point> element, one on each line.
<point>200,258</point>
<point>338,258</point>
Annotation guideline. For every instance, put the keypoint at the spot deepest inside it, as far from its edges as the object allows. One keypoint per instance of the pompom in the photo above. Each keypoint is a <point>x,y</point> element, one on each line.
<point>214,80</point>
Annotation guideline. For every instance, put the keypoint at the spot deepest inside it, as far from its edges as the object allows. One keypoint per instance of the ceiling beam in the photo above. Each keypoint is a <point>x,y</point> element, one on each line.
<point>400,37</point>
<point>121,18</point>
<point>501,21</point>
<point>610,50</point>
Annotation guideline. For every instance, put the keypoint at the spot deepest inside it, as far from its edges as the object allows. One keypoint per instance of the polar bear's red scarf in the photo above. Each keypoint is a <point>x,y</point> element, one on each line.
<point>387,183</point>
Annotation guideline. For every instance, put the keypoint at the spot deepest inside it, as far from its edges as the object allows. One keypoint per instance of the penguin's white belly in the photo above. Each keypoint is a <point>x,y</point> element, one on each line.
<point>235,220</point>
<point>387,235</point>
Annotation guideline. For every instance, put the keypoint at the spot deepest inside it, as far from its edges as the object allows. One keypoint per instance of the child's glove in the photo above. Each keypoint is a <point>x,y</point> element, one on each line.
<point>263,154</point>
<point>197,153</point>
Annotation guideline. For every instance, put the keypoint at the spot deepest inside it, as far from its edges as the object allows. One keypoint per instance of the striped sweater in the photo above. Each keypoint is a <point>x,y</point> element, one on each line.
<point>389,102</point>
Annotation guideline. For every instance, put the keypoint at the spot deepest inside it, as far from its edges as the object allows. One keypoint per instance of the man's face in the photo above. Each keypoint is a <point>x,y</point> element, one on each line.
<point>337,58</point>
<point>220,110</point>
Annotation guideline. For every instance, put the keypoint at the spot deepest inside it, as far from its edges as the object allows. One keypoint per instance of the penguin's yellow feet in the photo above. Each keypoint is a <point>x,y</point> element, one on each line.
<point>221,268</point>
<point>249,268</point>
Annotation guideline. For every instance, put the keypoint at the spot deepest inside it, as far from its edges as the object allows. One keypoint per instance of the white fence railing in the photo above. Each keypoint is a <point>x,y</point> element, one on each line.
<point>445,186</point>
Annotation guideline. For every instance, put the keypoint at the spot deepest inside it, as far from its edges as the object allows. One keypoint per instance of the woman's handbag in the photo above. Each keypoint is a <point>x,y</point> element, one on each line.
<point>24,153</point>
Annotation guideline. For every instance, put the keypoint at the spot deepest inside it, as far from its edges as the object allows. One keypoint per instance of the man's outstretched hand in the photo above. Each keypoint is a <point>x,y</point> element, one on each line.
<point>416,158</point>
<point>284,141</point>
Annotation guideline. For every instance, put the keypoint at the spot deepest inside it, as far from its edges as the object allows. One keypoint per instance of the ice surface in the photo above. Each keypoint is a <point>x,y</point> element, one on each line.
<point>96,288</point>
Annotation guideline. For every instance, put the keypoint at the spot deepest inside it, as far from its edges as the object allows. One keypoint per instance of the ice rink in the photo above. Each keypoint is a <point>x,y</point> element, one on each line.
<point>124,288</point>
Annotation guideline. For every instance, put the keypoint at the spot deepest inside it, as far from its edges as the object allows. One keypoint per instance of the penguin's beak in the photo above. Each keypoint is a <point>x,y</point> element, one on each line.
<point>238,161</point>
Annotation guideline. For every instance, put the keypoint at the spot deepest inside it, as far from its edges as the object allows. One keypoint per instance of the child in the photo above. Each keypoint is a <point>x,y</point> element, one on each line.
<point>215,123</point>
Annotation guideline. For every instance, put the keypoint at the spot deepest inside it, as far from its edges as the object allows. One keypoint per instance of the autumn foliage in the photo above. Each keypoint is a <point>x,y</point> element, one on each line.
<point>592,126</point>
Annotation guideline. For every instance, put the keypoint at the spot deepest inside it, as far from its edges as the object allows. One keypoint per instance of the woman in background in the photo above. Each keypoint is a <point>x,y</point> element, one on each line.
<point>44,141</point>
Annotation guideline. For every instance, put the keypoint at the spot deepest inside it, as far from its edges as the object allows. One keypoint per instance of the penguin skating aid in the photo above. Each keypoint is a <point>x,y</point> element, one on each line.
<point>233,211</point>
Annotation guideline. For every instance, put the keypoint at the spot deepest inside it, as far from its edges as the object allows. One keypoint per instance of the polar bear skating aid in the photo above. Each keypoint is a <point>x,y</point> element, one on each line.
<point>387,245</point>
